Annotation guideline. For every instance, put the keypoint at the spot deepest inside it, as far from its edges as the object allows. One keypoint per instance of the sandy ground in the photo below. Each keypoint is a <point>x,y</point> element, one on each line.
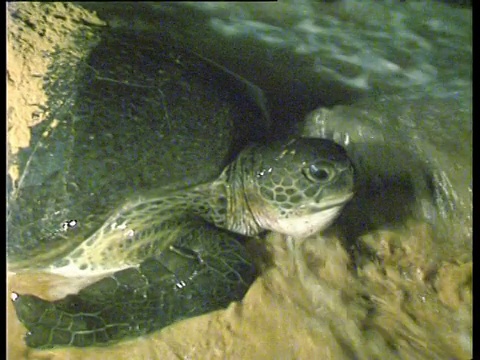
<point>398,304</point>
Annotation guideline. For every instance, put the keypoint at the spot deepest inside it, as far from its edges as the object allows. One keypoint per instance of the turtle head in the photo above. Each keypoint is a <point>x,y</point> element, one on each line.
<point>298,187</point>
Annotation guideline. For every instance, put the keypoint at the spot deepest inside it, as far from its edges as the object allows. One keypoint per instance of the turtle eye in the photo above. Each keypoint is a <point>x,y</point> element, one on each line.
<point>317,173</point>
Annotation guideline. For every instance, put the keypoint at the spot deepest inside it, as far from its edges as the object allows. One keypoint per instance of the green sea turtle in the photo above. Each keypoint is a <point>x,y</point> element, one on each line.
<point>135,115</point>
<point>178,251</point>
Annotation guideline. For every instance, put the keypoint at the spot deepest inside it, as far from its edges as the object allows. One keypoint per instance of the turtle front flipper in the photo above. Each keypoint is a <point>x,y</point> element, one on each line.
<point>188,279</point>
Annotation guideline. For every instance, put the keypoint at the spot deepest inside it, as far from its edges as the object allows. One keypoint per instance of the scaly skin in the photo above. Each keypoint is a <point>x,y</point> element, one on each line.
<point>189,263</point>
<point>179,283</point>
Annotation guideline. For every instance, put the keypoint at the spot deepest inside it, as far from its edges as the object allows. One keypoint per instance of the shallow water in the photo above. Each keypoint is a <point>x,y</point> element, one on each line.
<point>392,82</point>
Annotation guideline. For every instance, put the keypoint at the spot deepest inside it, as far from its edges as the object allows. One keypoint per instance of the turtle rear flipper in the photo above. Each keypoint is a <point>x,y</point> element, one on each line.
<point>181,282</point>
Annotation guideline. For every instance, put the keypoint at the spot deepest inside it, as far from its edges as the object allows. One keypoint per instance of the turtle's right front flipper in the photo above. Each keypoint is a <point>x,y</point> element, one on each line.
<point>178,284</point>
